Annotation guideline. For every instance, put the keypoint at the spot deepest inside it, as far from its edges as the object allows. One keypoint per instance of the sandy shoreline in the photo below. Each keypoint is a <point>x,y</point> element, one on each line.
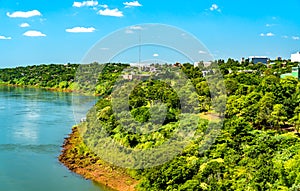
<point>91,167</point>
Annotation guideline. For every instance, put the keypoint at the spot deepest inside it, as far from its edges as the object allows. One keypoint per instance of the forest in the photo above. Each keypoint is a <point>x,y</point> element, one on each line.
<point>52,76</point>
<point>257,146</point>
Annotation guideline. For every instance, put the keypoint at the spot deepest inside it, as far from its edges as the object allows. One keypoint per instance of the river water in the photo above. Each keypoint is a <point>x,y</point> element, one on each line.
<point>33,124</point>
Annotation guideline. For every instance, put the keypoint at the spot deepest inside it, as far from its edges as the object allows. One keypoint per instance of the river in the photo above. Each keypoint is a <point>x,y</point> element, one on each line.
<point>33,125</point>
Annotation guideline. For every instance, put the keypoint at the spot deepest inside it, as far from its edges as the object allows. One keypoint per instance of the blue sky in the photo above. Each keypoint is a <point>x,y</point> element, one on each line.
<point>35,31</point>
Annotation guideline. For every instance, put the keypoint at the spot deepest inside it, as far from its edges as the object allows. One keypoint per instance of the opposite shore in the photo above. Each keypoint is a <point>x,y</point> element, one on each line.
<point>37,87</point>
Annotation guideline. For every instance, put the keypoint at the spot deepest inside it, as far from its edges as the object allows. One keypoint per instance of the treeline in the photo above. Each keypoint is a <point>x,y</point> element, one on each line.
<point>57,76</point>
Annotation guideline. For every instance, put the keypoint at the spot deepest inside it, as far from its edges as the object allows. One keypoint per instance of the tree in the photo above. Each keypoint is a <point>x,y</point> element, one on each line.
<point>265,108</point>
<point>278,116</point>
<point>269,84</point>
<point>231,86</point>
<point>295,121</point>
<point>220,104</point>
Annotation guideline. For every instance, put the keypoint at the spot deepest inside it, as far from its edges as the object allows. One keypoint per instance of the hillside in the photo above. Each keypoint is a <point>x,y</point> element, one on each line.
<point>256,148</point>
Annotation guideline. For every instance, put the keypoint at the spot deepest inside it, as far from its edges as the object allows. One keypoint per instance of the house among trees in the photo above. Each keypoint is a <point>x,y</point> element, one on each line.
<point>295,73</point>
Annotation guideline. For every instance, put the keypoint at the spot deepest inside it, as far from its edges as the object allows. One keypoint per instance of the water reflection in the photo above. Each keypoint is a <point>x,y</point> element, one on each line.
<point>27,131</point>
<point>26,134</point>
<point>50,148</point>
<point>33,125</point>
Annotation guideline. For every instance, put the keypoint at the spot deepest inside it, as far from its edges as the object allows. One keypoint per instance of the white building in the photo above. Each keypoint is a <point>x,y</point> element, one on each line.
<point>295,57</point>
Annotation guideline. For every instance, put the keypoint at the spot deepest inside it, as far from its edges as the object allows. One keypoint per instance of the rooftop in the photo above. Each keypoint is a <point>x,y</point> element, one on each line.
<point>258,57</point>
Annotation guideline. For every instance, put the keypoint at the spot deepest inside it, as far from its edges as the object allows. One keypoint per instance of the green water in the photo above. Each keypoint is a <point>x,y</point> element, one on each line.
<point>33,124</point>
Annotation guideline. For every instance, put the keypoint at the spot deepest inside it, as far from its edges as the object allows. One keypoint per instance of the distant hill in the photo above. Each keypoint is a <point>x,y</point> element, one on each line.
<point>57,76</point>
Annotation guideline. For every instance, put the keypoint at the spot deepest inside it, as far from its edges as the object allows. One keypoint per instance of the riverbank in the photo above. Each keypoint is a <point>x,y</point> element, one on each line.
<point>78,159</point>
<point>66,90</point>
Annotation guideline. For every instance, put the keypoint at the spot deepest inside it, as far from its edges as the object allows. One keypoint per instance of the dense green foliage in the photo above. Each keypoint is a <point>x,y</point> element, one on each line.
<point>254,150</point>
<point>258,147</point>
<point>244,157</point>
<point>56,76</point>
